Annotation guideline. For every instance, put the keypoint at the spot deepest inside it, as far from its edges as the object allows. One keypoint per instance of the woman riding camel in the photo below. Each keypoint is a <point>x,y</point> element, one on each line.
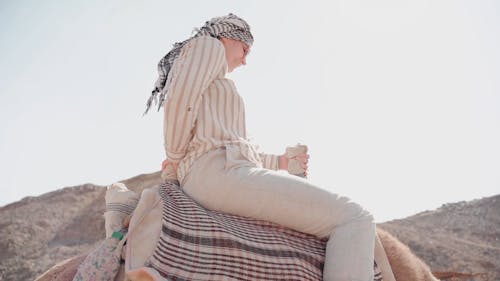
<point>208,152</point>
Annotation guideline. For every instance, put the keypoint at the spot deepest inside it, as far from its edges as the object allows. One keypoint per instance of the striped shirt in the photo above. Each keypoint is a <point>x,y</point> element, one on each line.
<point>203,110</point>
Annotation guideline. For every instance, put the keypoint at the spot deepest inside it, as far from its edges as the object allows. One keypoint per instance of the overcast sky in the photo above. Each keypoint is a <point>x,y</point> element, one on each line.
<point>399,101</point>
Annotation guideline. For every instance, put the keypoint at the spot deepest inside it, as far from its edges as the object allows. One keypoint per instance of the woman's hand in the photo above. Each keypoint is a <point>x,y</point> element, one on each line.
<point>300,160</point>
<point>169,168</point>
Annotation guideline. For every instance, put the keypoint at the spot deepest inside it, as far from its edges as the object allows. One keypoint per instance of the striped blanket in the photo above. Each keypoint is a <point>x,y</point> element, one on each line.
<point>199,244</point>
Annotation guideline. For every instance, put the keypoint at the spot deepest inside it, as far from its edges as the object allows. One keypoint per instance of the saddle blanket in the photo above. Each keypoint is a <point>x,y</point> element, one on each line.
<point>199,244</point>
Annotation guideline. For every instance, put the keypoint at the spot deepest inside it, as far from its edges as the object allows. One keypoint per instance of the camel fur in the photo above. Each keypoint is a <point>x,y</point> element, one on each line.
<point>405,265</point>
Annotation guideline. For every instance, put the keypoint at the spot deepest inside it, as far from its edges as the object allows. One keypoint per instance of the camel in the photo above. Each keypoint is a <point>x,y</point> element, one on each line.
<point>395,260</point>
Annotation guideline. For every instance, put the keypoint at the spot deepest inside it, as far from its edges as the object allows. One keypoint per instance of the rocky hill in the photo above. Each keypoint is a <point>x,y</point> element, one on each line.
<point>37,232</point>
<point>460,237</point>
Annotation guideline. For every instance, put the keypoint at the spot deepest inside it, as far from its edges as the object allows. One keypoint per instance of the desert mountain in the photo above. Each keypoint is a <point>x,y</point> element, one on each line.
<point>37,232</point>
<point>460,237</point>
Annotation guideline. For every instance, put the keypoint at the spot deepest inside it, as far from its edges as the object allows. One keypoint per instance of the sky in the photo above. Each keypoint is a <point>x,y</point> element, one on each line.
<point>398,101</point>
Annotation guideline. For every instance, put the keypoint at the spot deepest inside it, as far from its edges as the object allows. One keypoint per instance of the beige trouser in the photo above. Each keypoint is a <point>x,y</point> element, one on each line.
<point>223,180</point>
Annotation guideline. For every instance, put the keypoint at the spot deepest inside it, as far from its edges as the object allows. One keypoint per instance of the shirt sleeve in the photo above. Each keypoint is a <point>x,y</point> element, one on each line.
<point>200,62</point>
<point>270,161</point>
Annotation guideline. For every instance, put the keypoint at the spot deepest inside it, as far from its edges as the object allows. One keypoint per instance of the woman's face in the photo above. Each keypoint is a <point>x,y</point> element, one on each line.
<point>236,52</point>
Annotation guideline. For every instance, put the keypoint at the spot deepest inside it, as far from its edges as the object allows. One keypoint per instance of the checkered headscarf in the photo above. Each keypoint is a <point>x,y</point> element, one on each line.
<point>230,26</point>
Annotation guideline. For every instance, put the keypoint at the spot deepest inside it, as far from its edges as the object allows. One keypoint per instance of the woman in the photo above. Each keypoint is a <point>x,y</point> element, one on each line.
<point>208,152</point>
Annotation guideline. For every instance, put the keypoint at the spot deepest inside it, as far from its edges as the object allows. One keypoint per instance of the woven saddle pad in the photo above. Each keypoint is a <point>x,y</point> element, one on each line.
<point>199,244</point>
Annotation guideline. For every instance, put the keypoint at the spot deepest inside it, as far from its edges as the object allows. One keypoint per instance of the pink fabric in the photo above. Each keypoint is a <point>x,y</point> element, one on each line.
<point>102,264</point>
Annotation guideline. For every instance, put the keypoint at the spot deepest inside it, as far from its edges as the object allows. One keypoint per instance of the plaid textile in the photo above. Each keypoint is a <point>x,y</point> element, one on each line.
<point>199,244</point>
